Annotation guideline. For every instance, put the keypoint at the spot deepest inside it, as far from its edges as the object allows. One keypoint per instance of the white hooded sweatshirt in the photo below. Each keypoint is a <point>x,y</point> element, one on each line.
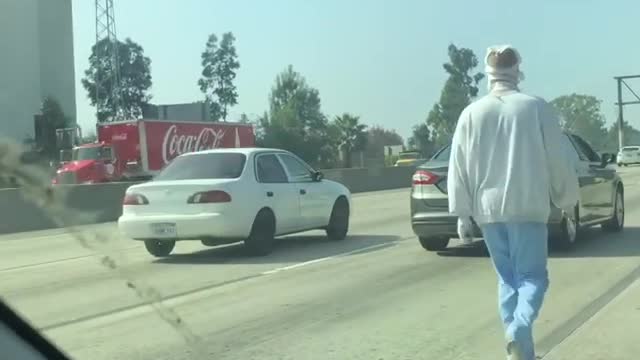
<point>507,160</point>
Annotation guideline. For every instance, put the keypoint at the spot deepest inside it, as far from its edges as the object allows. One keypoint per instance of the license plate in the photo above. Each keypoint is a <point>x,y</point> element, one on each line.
<point>165,230</point>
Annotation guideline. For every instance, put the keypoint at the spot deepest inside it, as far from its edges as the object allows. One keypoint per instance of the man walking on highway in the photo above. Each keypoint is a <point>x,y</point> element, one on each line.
<point>507,162</point>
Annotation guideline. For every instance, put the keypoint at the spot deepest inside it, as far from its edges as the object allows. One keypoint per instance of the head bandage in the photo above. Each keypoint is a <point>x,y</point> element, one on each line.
<point>502,68</point>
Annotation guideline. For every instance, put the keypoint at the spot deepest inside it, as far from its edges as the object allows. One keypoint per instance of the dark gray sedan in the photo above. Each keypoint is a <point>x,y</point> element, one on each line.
<point>601,199</point>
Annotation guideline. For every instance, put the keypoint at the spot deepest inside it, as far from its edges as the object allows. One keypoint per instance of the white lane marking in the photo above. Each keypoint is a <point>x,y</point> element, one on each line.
<point>146,308</point>
<point>315,261</point>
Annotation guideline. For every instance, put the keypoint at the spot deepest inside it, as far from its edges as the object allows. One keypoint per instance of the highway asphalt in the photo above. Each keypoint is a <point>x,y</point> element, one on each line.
<point>377,295</point>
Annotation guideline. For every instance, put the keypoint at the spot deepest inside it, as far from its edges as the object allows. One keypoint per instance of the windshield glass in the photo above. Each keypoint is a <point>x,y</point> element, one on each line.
<point>204,166</point>
<point>443,155</point>
<point>150,208</point>
<point>87,153</point>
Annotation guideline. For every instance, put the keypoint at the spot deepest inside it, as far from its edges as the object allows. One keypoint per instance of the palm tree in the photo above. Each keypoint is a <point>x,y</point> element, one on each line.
<point>352,135</point>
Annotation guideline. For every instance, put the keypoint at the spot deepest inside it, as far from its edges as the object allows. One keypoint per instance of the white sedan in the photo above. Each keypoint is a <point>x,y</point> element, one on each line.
<point>229,195</point>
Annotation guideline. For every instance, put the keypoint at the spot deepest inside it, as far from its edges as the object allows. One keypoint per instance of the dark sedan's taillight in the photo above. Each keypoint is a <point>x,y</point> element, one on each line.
<point>424,177</point>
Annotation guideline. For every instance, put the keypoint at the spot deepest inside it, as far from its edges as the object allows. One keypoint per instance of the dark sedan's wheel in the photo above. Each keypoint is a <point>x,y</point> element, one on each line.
<point>434,243</point>
<point>159,248</point>
<point>339,221</point>
<point>567,235</point>
<point>616,223</point>
<point>262,237</point>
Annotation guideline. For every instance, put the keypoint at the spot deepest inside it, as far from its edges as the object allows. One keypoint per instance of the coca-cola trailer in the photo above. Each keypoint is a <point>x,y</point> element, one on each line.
<point>138,149</point>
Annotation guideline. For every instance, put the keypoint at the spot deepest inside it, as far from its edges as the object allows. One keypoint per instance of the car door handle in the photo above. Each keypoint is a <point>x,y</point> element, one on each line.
<point>270,193</point>
<point>303,192</point>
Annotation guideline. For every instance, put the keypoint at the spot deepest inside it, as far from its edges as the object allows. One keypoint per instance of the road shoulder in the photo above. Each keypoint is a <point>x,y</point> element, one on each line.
<point>611,334</point>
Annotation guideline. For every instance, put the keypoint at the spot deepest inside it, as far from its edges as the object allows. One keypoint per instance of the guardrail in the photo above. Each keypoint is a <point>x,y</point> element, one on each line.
<point>102,202</point>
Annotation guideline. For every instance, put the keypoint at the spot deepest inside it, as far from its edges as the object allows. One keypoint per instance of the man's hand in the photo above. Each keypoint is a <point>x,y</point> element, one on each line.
<point>465,229</point>
<point>570,212</point>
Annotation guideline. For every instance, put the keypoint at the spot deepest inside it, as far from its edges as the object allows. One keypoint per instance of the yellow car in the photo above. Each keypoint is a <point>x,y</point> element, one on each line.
<point>409,158</point>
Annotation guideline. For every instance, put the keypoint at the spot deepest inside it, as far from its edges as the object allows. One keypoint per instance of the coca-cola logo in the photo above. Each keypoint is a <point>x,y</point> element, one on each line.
<point>119,137</point>
<point>175,144</point>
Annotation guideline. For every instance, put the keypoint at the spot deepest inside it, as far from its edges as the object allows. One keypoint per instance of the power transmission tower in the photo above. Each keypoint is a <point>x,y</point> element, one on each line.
<point>107,83</point>
<point>621,81</point>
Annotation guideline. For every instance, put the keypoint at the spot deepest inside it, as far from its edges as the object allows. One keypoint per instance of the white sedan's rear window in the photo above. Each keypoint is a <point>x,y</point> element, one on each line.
<point>204,166</point>
<point>630,149</point>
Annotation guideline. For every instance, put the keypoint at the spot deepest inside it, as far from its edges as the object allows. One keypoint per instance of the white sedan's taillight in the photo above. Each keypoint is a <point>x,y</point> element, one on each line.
<point>209,197</point>
<point>134,199</point>
<point>423,177</point>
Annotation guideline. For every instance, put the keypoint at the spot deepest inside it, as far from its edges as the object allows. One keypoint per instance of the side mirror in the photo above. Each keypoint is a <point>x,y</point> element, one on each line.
<point>607,159</point>
<point>318,176</point>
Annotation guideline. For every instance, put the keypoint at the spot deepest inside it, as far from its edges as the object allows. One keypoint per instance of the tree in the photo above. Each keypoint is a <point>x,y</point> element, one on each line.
<point>581,115</point>
<point>379,137</point>
<point>352,136</point>
<point>459,89</point>
<point>295,121</point>
<point>135,79</point>
<point>53,118</point>
<point>219,66</point>
<point>421,140</point>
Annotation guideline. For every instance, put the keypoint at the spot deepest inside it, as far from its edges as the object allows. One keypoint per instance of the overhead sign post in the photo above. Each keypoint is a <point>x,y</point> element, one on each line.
<point>621,81</point>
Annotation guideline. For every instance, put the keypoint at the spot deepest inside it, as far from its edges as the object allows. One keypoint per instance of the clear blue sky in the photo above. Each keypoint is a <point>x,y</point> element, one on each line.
<point>374,58</point>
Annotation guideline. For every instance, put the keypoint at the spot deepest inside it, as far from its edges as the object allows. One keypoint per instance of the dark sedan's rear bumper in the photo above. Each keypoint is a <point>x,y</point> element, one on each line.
<point>437,224</point>
<point>443,224</point>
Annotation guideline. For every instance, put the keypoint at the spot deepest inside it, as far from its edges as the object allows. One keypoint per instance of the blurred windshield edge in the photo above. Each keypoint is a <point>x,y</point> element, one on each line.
<point>34,186</point>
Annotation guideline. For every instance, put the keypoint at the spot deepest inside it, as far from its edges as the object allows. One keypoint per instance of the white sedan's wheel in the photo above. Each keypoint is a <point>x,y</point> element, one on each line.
<point>261,240</point>
<point>339,222</point>
<point>159,248</point>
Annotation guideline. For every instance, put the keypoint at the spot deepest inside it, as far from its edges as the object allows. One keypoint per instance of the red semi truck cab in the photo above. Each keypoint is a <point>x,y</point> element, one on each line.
<point>138,149</point>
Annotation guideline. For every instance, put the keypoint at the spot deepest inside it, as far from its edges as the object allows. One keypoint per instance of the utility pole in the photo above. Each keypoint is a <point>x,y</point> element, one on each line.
<point>621,81</point>
<point>108,83</point>
<point>620,116</point>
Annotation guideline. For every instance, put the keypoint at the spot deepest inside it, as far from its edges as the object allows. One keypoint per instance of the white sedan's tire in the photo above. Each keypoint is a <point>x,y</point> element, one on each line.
<point>159,248</point>
<point>262,237</point>
<point>339,222</point>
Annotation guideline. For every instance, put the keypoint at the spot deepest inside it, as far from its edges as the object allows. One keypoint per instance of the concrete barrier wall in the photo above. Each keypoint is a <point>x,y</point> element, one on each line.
<point>102,202</point>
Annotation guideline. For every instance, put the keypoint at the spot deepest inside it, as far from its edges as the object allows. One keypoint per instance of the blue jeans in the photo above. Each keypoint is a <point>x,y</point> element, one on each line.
<point>519,254</point>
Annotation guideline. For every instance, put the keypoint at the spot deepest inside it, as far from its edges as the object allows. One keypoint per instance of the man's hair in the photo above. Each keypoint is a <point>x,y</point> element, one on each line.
<point>502,60</point>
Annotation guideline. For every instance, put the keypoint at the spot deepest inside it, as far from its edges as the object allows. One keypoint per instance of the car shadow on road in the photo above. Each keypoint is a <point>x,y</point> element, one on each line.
<point>291,249</point>
<point>593,242</point>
